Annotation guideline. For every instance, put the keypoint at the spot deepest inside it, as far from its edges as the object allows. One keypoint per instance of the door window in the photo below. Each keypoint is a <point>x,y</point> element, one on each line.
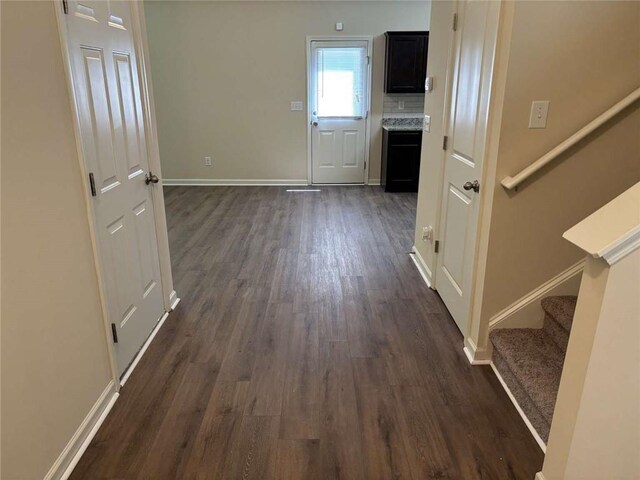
<point>340,77</point>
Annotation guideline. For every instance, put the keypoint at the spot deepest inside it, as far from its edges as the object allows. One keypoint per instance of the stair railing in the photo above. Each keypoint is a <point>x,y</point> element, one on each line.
<point>511,183</point>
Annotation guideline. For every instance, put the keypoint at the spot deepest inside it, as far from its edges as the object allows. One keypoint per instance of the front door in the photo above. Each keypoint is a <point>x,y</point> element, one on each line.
<point>338,107</point>
<point>475,43</point>
<point>112,130</point>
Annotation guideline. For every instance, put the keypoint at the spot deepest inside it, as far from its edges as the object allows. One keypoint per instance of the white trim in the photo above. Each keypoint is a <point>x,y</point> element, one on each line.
<point>475,355</point>
<point>68,459</point>
<point>141,352</point>
<point>212,182</point>
<point>472,361</point>
<point>622,247</point>
<point>373,181</point>
<point>420,264</point>
<point>367,126</point>
<point>537,437</point>
<point>174,300</point>
<point>540,476</point>
<point>519,307</point>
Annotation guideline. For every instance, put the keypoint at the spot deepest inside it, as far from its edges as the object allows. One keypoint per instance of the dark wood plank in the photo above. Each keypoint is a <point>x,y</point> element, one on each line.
<point>306,346</point>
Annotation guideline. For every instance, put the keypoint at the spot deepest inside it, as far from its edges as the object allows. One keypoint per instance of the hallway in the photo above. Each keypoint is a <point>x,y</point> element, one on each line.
<point>306,346</point>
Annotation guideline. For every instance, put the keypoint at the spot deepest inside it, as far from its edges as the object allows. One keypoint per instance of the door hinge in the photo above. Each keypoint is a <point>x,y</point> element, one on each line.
<point>114,333</point>
<point>437,246</point>
<point>365,164</point>
<point>445,142</point>
<point>65,6</point>
<point>368,59</point>
<point>92,184</point>
<point>455,22</point>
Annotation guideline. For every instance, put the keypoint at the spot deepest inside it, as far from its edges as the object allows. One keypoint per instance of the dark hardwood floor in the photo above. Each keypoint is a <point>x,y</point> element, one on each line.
<point>306,346</point>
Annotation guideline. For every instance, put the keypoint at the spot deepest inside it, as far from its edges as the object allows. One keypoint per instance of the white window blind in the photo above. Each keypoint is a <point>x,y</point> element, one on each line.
<point>340,81</point>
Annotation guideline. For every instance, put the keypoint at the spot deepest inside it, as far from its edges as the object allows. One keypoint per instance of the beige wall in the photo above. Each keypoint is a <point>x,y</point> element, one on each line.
<point>54,358</point>
<point>582,57</point>
<point>225,72</point>
<point>432,157</point>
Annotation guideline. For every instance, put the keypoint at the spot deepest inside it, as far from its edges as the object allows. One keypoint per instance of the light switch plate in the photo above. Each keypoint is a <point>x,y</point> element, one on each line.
<point>296,106</point>
<point>538,115</point>
<point>426,125</point>
<point>339,27</point>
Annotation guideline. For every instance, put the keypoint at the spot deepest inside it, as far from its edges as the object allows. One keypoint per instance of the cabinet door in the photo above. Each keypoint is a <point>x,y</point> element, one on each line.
<point>403,161</point>
<point>406,63</point>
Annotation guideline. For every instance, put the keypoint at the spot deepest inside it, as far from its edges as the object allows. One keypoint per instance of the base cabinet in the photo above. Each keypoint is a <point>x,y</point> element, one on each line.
<point>400,160</point>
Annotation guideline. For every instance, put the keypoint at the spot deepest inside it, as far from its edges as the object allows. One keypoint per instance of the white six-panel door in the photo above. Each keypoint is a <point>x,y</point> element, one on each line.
<point>468,117</point>
<point>105,79</point>
<point>338,102</point>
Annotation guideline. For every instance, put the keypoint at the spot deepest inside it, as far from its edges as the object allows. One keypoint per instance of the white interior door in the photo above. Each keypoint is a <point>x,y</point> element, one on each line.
<point>112,130</point>
<point>471,85</point>
<point>338,106</point>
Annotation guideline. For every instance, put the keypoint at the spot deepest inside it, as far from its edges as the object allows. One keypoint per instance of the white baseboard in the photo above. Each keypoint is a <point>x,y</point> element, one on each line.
<point>68,459</point>
<point>537,437</point>
<point>203,182</point>
<point>526,312</point>
<point>142,351</point>
<point>420,264</point>
<point>173,300</point>
<point>373,181</point>
<point>474,354</point>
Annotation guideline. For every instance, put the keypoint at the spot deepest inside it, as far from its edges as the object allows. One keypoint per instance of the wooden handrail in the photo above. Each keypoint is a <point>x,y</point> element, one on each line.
<point>511,183</point>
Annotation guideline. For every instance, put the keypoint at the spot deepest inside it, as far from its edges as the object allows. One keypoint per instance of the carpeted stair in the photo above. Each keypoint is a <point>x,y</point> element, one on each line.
<point>530,360</point>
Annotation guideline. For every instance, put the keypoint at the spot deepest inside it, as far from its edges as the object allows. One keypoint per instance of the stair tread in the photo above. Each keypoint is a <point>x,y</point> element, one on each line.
<point>561,309</point>
<point>535,361</point>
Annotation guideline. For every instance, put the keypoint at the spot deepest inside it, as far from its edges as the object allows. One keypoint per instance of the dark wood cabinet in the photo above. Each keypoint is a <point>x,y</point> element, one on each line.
<point>406,62</point>
<point>400,160</point>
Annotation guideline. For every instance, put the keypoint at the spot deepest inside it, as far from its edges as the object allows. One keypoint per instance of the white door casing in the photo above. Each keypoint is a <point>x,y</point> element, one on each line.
<point>473,61</point>
<point>338,117</point>
<point>104,71</point>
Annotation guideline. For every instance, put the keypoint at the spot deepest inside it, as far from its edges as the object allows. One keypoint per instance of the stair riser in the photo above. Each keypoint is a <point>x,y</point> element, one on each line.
<point>525,402</point>
<point>557,332</point>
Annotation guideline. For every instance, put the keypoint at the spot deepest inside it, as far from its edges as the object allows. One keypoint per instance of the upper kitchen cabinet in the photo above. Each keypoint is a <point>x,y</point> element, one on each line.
<point>406,62</point>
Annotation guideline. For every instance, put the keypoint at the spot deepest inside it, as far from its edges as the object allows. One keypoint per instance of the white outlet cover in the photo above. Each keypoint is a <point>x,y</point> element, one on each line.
<point>207,161</point>
<point>339,27</point>
<point>296,106</point>
<point>538,115</point>
<point>400,104</point>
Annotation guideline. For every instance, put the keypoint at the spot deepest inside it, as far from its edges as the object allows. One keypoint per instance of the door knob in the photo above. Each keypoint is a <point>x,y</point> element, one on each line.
<point>151,178</point>
<point>475,186</point>
<point>315,124</point>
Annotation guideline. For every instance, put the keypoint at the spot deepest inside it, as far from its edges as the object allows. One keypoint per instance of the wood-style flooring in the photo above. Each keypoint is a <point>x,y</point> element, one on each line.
<point>306,346</point>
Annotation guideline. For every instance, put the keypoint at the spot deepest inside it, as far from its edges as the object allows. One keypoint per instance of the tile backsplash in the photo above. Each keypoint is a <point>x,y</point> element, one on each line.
<point>413,104</point>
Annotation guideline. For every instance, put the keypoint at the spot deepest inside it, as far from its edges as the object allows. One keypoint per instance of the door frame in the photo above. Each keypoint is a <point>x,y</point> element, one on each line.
<point>500,30</point>
<point>169,296</point>
<point>367,119</point>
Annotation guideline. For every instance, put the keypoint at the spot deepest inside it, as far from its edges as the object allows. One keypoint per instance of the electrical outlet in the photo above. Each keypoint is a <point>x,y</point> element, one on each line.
<point>427,233</point>
<point>538,115</point>
<point>207,162</point>
<point>296,106</point>
<point>400,104</point>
